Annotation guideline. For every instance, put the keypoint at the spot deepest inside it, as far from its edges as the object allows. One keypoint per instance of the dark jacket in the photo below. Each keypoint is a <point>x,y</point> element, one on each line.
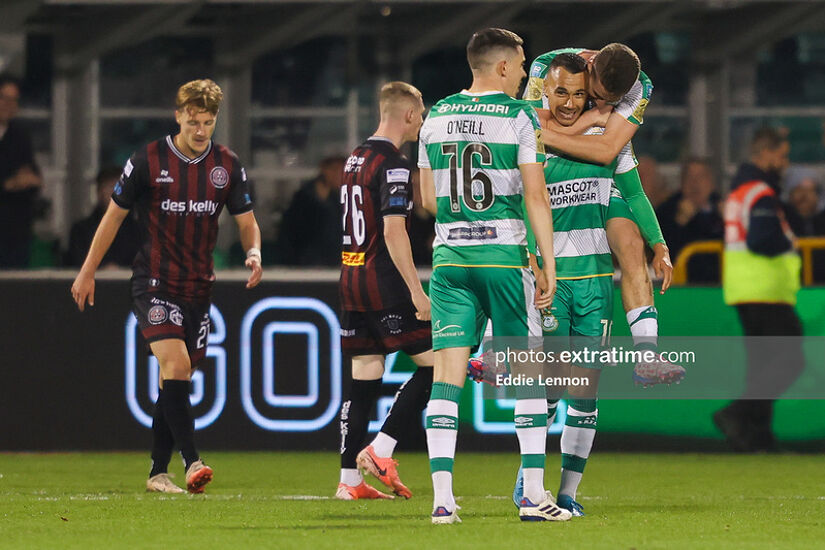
<point>17,208</point>
<point>705,225</point>
<point>766,234</point>
<point>123,250</point>
<point>310,232</point>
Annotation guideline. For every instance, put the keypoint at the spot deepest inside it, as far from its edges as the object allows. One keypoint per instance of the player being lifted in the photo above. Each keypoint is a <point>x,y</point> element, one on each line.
<point>179,186</point>
<point>615,79</point>
<point>580,195</point>
<point>384,307</point>
<point>481,165</point>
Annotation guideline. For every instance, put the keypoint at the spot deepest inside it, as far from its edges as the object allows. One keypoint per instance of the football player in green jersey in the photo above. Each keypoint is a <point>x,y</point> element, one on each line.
<point>580,195</point>
<point>621,93</point>
<point>481,161</point>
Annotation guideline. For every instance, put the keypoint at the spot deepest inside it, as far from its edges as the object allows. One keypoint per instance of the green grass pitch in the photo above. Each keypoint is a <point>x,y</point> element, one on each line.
<point>282,500</point>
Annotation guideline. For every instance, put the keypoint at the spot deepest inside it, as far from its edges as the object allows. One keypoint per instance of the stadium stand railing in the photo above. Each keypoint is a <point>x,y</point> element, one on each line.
<point>806,246</point>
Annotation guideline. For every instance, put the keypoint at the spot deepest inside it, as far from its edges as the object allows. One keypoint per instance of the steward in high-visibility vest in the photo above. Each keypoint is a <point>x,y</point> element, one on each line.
<point>760,263</point>
<point>760,279</point>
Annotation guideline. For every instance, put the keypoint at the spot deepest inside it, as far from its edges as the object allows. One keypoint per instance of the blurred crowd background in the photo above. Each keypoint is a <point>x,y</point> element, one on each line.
<point>86,83</point>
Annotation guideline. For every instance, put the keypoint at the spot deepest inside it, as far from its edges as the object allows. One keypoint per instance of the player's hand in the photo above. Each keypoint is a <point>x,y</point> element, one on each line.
<point>685,211</point>
<point>83,290</point>
<point>545,287</point>
<point>662,265</point>
<point>598,115</point>
<point>254,263</point>
<point>541,281</point>
<point>422,306</point>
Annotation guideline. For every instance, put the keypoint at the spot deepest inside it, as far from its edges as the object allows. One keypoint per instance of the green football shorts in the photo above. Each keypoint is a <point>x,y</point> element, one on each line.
<point>583,307</point>
<point>463,298</point>
<point>618,207</point>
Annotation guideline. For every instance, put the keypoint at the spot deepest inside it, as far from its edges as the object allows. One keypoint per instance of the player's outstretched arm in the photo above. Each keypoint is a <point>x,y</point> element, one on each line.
<point>428,190</point>
<point>540,219</point>
<point>250,235</point>
<point>398,245</point>
<point>600,149</point>
<point>630,186</point>
<point>83,288</point>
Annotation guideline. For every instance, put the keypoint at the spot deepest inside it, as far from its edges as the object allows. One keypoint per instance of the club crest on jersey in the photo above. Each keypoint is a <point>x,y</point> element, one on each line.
<point>549,323</point>
<point>157,315</point>
<point>219,177</point>
<point>176,317</point>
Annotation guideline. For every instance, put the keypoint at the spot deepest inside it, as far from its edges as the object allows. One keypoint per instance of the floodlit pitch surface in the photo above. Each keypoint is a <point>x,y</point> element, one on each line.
<point>283,500</point>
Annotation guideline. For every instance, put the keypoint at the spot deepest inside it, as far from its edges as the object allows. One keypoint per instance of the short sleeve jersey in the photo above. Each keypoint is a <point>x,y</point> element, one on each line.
<point>178,201</point>
<point>376,184</point>
<point>579,198</point>
<point>631,107</point>
<point>474,144</point>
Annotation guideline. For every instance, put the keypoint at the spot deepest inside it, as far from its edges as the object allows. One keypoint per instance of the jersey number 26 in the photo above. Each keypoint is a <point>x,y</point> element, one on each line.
<point>352,209</point>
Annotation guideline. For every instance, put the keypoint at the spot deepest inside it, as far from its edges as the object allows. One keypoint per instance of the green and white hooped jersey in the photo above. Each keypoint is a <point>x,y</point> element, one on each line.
<point>631,107</point>
<point>474,144</point>
<point>579,196</point>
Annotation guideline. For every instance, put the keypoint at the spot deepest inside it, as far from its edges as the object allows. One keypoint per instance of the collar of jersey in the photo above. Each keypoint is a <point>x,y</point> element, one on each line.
<point>171,143</point>
<point>479,94</point>
<point>381,138</point>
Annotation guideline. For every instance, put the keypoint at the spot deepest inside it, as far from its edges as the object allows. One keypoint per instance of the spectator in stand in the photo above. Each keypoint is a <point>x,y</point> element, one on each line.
<point>310,232</point>
<point>693,214</point>
<point>802,194</point>
<point>20,180</point>
<point>803,210</point>
<point>653,182</point>
<point>127,241</point>
<point>422,227</point>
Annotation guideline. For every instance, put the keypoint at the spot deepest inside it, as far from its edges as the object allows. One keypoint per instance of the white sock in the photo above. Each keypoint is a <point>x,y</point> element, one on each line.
<point>351,477</point>
<point>442,432</point>
<point>531,430</point>
<point>443,490</point>
<point>383,445</point>
<point>570,480</point>
<point>644,325</point>
<point>576,443</point>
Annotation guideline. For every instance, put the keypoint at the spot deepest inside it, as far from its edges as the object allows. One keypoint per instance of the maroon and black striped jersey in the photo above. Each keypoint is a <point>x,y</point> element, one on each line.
<point>376,184</point>
<point>178,202</point>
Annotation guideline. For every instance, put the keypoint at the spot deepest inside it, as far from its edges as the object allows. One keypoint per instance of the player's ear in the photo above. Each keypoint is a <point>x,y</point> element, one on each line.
<point>501,68</point>
<point>177,116</point>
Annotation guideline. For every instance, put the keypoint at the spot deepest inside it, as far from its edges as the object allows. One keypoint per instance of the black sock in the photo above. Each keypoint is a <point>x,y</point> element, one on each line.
<point>355,418</point>
<point>410,400</point>
<point>178,413</point>
<point>162,440</point>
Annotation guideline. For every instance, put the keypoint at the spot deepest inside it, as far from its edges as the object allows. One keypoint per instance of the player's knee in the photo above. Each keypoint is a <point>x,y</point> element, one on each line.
<point>176,368</point>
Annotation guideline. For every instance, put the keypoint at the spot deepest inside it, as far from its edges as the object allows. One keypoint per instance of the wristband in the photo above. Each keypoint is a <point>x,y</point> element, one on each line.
<point>253,252</point>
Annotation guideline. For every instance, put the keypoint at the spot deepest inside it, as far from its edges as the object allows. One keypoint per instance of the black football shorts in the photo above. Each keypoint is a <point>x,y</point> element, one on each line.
<point>385,331</point>
<point>163,317</point>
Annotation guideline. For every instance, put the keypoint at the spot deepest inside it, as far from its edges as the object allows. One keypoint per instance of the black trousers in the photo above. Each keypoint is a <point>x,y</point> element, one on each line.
<point>773,365</point>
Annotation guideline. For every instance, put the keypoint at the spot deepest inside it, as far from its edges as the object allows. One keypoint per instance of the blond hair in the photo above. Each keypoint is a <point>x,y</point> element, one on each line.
<point>200,96</point>
<point>395,92</point>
